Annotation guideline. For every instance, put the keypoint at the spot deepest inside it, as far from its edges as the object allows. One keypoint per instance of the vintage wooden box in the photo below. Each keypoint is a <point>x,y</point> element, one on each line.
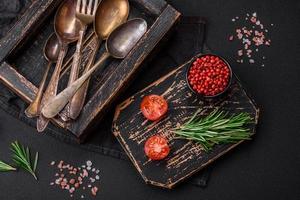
<point>23,44</point>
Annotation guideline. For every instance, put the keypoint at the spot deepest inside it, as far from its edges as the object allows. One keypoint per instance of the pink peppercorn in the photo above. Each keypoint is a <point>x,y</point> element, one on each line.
<point>209,75</point>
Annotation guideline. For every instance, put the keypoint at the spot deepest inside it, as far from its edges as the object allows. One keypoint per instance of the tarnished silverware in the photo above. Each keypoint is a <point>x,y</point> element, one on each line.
<point>67,30</point>
<point>85,13</point>
<point>118,45</point>
<point>51,51</point>
<point>109,15</point>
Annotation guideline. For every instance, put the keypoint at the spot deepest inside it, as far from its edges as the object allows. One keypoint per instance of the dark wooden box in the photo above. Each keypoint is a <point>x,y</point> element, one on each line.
<point>23,44</point>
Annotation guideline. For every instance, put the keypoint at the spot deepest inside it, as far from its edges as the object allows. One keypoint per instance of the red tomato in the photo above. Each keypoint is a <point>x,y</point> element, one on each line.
<point>154,107</point>
<point>156,147</point>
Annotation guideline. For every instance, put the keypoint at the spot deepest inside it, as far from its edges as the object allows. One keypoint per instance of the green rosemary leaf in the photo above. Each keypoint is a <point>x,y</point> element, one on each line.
<point>21,157</point>
<point>216,128</point>
<point>4,167</point>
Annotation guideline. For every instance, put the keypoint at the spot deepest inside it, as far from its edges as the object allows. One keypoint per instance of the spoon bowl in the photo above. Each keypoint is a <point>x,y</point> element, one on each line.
<point>119,43</point>
<point>66,25</point>
<point>109,15</point>
<point>51,49</point>
<point>123,38</point>
<point>67,29</point>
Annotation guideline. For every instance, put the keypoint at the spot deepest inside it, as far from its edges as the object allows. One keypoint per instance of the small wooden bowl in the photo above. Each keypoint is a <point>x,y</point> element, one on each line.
<point>207,96</point>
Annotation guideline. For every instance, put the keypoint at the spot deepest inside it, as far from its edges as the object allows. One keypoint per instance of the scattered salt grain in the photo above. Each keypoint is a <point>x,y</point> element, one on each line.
<point>89,163</point>
<point>251,39</point>
<point>92,180</point>
<point>94,191</point>
<point>75,179</point>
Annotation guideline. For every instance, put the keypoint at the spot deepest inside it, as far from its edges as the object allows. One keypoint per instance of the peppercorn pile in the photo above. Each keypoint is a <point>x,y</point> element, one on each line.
<point>77,181</point>
<point>209,75</point>
<point>252,36</point>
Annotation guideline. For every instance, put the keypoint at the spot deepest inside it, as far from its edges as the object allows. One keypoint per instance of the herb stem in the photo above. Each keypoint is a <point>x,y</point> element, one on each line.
<point>216,128</point>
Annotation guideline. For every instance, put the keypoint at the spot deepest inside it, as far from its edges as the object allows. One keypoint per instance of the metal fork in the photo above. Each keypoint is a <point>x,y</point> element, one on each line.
<point>85,13</point>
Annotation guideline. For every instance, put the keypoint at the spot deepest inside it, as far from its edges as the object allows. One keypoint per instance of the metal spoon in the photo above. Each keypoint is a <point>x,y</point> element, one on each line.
<point>109,15</point>
<point>51,51</point>
<point>67,30</point>
<point>118,45</point>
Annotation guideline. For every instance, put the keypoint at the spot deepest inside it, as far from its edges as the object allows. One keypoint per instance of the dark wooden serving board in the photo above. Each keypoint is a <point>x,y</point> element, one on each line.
<point>22,61</point>
<point>186,157</point>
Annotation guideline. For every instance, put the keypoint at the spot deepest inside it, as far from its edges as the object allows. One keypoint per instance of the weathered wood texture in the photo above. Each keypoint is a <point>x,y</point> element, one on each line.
<point>22,59</point>
<point>26,26</point>
<point>186,157</point>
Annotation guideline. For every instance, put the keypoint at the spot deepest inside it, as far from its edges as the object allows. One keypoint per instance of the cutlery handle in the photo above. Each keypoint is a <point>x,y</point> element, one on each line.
<point>51,90</point>
<point>57,103</point>
<point>75,68</point>
<point>33,109</point>
<point>78,99</point>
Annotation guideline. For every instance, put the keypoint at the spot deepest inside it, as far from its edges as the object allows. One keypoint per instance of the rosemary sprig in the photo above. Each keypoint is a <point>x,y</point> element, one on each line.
<point>6,167</point>
<point>216,128</point>
<point>21,156</point>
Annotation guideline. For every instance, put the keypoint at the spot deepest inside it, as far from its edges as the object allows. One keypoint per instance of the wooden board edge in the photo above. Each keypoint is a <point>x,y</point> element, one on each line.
<point>19,85</point>
<point>17,82</point>
<point>30,20</point>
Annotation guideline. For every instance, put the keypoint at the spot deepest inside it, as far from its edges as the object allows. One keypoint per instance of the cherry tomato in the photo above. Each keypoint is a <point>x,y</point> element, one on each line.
<point>154,107</point>
<point>156,147</point>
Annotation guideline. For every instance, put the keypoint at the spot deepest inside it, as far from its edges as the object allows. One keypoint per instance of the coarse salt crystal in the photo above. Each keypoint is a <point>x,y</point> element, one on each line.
<point>89,163</point>
<point>97,177</point>
<point>240,52</point>
<point>85,173</point>
<point>94,190</point>
<point>251,61</point>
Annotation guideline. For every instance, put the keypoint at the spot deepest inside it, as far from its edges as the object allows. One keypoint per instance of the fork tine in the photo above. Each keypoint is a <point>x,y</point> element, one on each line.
<point>89,9</point>
<point>83,7</point>
<point>95,7</point>
<point>78,6</point>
